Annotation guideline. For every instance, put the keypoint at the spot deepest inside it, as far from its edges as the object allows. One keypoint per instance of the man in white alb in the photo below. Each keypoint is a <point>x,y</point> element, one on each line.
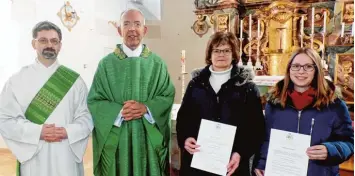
<point>44,118</point>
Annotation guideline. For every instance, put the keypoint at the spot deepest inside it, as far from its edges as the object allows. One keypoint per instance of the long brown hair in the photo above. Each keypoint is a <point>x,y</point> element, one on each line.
<point>324,94</point>
<point>221,38</point>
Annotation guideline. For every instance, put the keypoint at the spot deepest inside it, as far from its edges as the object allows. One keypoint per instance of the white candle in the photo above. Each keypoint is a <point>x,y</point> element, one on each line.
<point>183,61</point>
<point>325,22</point>
<point>241,28</point>
<point>302,25</point>
<point>342,29</point>
<point>250,21</point>
<point>302,30</point>
<point>352,31</point>
<point>312,20</point>
<point>258,29</point>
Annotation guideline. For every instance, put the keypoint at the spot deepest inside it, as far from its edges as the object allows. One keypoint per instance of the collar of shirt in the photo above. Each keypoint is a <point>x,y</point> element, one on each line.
<point>41,65</point>
<point>225,72</point>
<point>132,53</point>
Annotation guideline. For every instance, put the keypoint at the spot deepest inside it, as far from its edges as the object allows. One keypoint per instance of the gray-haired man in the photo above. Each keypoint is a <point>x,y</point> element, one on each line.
<point>130,101</point>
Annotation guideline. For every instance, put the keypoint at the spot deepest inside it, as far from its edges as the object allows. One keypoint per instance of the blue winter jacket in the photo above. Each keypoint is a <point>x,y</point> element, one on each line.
<point>332,127</point>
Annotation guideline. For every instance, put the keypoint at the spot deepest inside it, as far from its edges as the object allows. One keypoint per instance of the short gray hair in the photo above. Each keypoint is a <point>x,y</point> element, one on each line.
<point>124,12</point>
<point>46,25</point>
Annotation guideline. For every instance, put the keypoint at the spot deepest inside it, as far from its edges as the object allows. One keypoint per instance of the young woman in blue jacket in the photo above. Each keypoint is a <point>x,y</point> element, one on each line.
<point>305,102</point>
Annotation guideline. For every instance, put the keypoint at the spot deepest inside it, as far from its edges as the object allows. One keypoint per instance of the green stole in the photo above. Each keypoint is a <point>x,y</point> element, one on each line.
<point>49,96</point>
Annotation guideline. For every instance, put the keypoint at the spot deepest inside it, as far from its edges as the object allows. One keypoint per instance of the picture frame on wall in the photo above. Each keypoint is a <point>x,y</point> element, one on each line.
<point>344,75</point>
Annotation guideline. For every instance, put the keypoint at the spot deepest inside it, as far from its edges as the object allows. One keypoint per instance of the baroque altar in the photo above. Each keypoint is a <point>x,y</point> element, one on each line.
<point>269,31</point>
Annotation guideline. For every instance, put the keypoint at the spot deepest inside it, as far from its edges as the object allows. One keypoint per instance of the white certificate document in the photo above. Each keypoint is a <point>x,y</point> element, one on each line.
<point>216,142</point>
<point>287,154</point>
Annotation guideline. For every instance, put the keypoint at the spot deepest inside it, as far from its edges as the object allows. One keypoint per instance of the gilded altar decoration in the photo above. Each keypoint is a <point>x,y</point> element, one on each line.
<point>280,37</point>
<point>347,40</point>
<point>220,15</point>
<point>277,28</point>
<point>202,4</point>
<point>344,75</point>
<point>200,27</point>
<point>223,23</point>
<point>348,12</point>
<point>68,16</point>
<point>255,1</point>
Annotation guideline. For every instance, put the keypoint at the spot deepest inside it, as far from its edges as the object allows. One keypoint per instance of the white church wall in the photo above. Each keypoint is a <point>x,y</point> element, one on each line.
<point>84,45</point>
<point>176,35</point>
<point>8,43</point>
<point>153,6</point>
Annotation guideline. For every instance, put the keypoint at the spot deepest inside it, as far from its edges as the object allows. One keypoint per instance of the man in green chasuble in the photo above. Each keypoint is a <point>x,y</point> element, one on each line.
<point>130,100</point>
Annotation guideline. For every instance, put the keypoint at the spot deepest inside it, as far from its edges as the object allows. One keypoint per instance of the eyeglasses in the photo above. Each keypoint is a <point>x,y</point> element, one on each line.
<point>306,67</point>
<point>218,51</point>
<point>44,41</point>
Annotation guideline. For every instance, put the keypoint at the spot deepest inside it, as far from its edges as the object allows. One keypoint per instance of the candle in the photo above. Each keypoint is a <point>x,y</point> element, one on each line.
<point>302,25</point>
<point>302,30</point>
<point>325,22</point>
<point>250,21</point>
<point>352,31</point>
<point>342,29</point>
<point>241,29</point>
<point>258,29</point>
<point>182,74</point>
<point>312,20</point>
<point>183,61</point>
<point>250,38</point>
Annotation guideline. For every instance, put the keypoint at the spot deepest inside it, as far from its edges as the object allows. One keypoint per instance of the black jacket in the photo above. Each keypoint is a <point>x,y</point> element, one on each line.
<point>237,103</point>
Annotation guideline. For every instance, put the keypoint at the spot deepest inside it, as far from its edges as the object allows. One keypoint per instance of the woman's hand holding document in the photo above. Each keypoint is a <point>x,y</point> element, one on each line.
<point>190,145</point>
<point>215,141</point>
<point>287,154</point>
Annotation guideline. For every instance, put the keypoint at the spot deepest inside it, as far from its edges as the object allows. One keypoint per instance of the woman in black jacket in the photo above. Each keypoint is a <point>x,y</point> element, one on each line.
<point>221,92</point>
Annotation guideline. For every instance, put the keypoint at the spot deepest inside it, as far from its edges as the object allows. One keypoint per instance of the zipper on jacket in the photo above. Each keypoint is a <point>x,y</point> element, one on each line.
<point>218,118</point>
<point>312,124</point>
<point>299,119</point>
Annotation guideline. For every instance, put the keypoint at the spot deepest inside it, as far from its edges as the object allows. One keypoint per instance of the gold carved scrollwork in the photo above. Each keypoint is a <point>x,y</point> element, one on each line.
<point>223,23</point>
<point>212,18</point>
<point>317,45</point>
<point>200,27</point>
<point>282,17</point>
<point>254,41</point>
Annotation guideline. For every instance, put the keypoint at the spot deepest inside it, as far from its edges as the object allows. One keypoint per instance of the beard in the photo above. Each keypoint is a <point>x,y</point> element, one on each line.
<point>49,53</point>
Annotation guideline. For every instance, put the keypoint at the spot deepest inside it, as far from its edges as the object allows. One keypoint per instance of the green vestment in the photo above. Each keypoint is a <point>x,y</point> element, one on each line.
<point>137,147</point>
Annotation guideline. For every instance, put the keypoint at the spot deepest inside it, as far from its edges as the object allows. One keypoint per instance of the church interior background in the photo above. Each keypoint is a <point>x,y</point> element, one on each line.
<point>178,31</point>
